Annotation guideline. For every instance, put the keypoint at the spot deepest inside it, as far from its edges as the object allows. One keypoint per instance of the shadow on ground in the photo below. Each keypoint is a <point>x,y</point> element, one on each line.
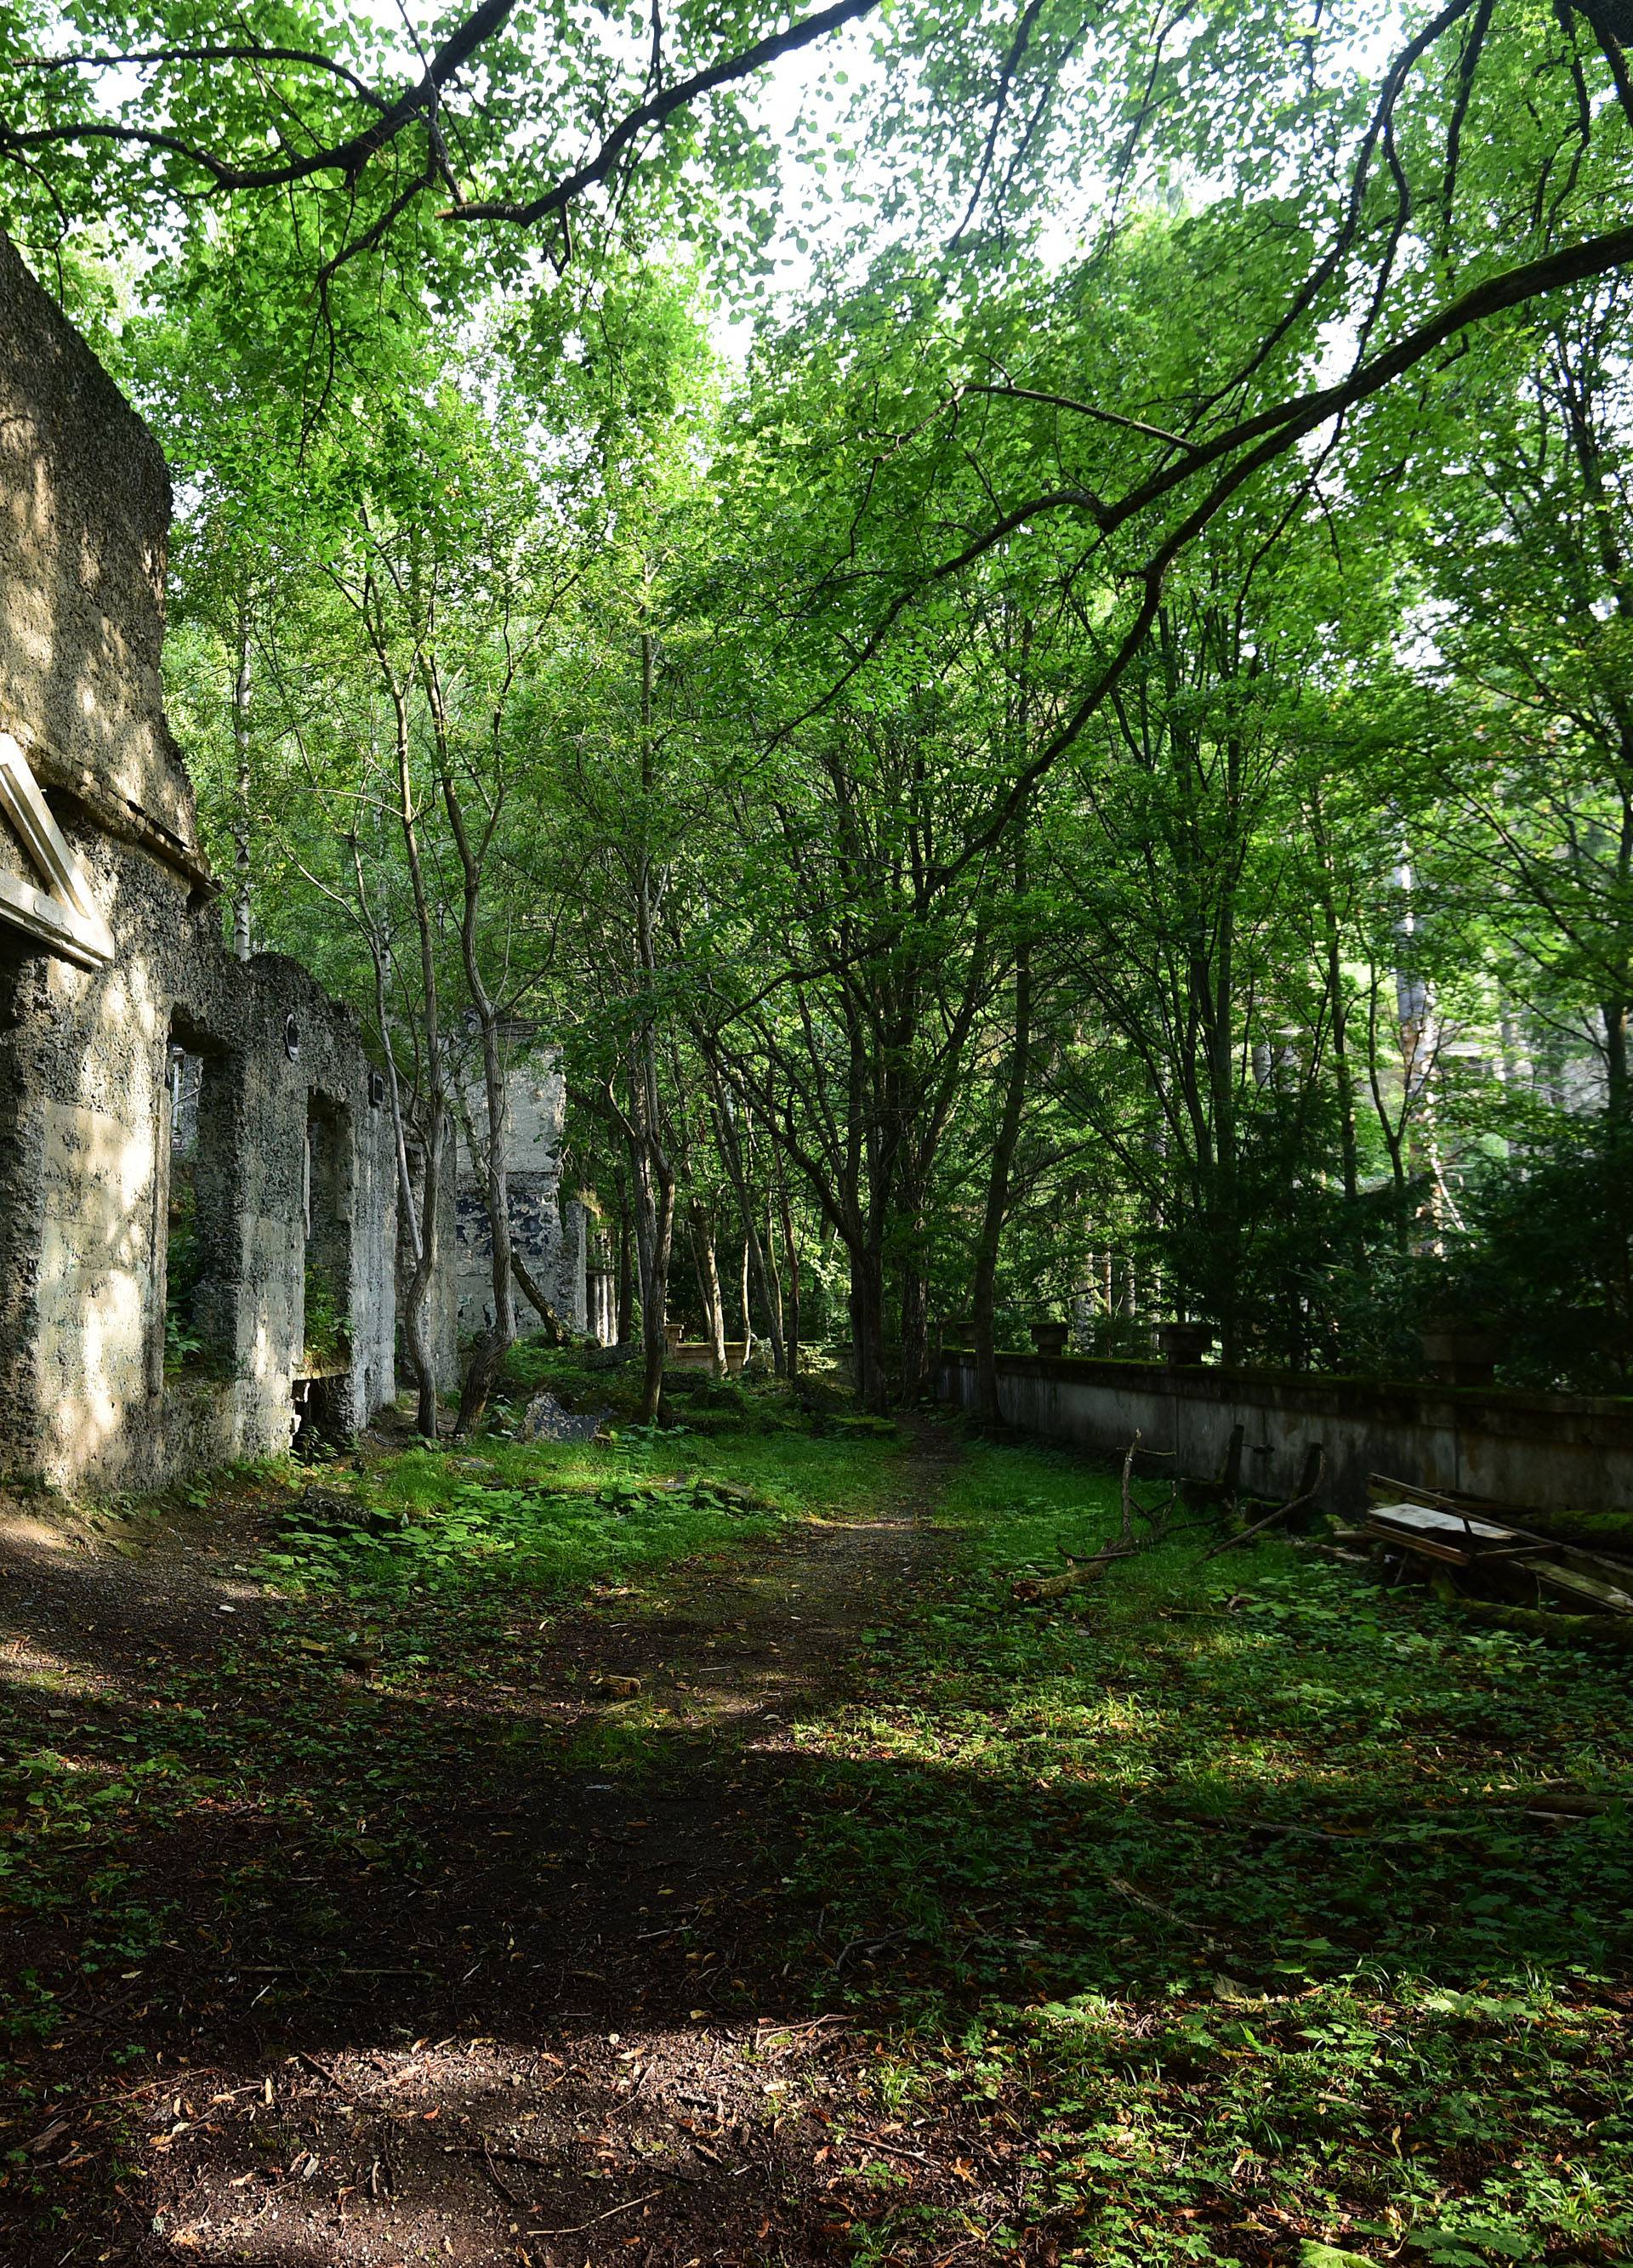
<point>311,1968</point>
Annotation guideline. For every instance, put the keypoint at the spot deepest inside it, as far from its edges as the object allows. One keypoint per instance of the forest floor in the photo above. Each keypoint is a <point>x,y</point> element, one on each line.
<point>684,1850</point>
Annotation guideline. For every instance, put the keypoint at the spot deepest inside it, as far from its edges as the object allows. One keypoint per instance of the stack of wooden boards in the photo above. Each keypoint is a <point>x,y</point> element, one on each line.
<point>1495,1552</point>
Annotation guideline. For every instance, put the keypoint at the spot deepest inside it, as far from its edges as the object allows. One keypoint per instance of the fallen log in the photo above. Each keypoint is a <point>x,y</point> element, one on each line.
<point>1028,1588</point>
<point>1615,1630</point>
<point>1313,1469</point>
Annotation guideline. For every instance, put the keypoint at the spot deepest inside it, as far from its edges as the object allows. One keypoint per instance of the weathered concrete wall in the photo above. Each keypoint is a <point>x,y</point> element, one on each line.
<point>85,524</point>
<point>1556,1452</point>
<point>85,1191</point>
<point>549,1232</point>
<point>442,1304</point>
<point>601,1305</point>
<point>86,1154</point>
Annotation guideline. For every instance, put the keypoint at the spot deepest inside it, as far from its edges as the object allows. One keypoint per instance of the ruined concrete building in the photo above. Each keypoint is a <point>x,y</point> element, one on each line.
<point>548,1232</point>
<point>198,1196</point>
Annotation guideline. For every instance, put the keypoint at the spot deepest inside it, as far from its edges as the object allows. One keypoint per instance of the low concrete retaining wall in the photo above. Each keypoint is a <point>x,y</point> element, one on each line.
<point>1558,1451</point>
<point>693,1354</point>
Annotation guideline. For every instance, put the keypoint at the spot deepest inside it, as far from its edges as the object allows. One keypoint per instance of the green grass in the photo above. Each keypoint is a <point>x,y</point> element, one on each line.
<point>418,1526</point>
<point>1223,1912</point>
<point>1205,1902</point>
<point>440,1577</point>
<point>554,1518</point>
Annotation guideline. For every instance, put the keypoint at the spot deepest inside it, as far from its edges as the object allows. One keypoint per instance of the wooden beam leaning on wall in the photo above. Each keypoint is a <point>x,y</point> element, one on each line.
<point>65,918</point>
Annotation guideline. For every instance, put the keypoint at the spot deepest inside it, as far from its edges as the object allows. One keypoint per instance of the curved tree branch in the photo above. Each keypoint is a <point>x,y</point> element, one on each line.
<point>525,212</point>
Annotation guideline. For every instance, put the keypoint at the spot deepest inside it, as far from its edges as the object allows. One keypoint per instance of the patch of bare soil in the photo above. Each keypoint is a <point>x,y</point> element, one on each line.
<point>580,2034</point>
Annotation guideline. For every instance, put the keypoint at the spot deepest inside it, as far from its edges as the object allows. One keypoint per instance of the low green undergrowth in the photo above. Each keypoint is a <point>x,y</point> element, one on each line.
<point>160,1801</point>
<point>1215,1912</point>
<point>551,1517</point>
<point>548,1537</point>
<point>1222,1895</point>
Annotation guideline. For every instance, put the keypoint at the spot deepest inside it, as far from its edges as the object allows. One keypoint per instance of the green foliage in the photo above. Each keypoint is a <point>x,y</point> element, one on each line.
<point>746,727</point>
<point>1545,1253</point>
<point>183,1261</point>
<point>1219,1879</point>
<point>327,1331</point>
<point>546,1539</point>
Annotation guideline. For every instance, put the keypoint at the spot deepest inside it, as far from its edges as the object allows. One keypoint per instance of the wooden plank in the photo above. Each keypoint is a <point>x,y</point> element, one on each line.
<point>1463,1541</point>
<point>1584,1583</point>
<point>1426,1520</point>
<point>1427,1547</point>
<point>67,918</point>
<point>1383,1489</point>
<point>43,917</point>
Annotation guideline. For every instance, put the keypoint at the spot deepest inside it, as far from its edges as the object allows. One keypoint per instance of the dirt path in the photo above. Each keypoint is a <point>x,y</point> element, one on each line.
<point>582,2036</point>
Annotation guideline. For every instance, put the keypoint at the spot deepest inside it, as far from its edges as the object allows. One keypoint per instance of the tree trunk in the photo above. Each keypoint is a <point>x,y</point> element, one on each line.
<point>872,1389</point>
<point>1348,1150</point>
<point>435,1114</point>
<point>241,812</point>
<point>998,1179</point>
<point>654,1237</point>
<point>1618,1095</point>
<point>1344,1076</point>
<point>481,1376</point>
<point>913,1338</point>
<point>730,1149</point>
<point>624,1320</point>
<point>418,1207</point>
<point>553,1330</point>
<point>654,1199</point>
<point>773,1288</point>
<point>791,1341</point>
<point>494,1164</point>
<point>708,1274</point>
<point>654,1175</point>
<point>1390,1130</point>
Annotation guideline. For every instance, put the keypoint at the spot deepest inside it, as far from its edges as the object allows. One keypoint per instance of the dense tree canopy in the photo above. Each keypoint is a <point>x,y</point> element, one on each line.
<point>1009,624</point>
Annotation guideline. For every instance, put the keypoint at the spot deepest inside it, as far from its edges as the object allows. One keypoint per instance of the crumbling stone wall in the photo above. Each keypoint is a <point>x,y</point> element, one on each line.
<point>90,1158</point>
<point>549,1230</point>
<point>84,521</point>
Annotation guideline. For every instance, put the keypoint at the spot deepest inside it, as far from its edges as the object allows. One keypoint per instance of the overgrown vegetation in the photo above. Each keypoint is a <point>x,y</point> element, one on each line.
<point>1216,1913</point>
<point>326,1332</point>
<point>1245,1904</point>
<point>1024,663</point>
<point>1026,668</point>
<point>183,1345</point>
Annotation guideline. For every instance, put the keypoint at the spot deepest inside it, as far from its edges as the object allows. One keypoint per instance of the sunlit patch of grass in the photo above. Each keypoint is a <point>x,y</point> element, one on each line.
<point>432,1573</point>
<point>614,1747</point>
<point>1210,1888</point>
<point>556,1517</point>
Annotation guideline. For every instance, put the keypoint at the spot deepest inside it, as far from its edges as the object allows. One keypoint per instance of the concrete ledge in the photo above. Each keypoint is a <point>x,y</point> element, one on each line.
<point>693,1354</point>
<point>1556,1452</point>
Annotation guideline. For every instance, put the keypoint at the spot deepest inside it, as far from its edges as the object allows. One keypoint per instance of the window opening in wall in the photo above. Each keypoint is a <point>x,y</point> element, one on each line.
<point>321,1391</point>
<point>200,1256</point>
<point>326,1314</point>
<point>321,1422</point>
